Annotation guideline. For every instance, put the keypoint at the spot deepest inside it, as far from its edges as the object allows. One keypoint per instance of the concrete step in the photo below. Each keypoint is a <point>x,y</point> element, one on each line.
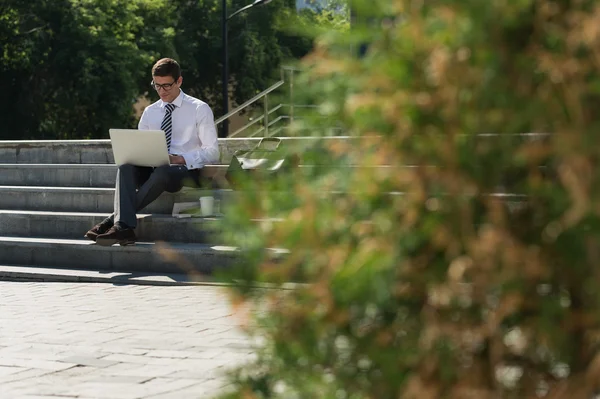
<point>56,151</point>
<point>143,257</point>
<point>100,200</point>
<point>58,175</point>
<point>91,200</point>
<point>104,175</point>
<point>100,151</point>
<point>69,225</point>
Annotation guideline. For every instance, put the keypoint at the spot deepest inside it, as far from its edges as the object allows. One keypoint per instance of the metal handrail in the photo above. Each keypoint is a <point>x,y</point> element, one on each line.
<point>276,131</point>
<point>246,126</point>
<point>257,132</point>
<point>287,77</point>
<point>250,102</point>
<point>300,105</point>
<point>277,108</point>
<point>280,118</point>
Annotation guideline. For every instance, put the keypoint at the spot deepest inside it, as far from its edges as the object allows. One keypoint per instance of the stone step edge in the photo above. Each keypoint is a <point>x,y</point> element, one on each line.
<point>59,275</point>
<point>139,246</point>
<point>221,140</point>
<point>109,166</point>
<point>496,194</point>
<point>102,189</point>
<point>140,216</point>
<point>256,139</point>
<point>72,214</point>
<point>68,275</point>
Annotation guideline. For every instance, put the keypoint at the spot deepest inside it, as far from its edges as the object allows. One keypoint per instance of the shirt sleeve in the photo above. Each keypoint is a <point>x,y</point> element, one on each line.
<point>143,123</point>
<point>209,149</point>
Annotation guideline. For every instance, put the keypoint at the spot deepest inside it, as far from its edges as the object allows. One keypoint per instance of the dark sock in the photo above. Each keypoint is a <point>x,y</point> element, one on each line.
<point>122,226</point>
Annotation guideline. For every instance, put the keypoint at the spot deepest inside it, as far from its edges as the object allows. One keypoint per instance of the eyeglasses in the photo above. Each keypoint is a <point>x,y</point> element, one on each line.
<point>165,87</point>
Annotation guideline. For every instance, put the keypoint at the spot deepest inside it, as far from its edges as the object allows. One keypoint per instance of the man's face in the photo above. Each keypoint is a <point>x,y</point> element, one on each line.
<point>166,87</point>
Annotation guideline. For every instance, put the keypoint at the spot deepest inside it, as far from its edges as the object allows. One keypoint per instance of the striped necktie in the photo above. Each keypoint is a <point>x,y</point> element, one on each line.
<point>167,124</point>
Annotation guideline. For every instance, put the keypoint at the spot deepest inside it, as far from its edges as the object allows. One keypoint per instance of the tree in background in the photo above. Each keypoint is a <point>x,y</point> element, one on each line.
<point>472,273</point>
<point>257,48</point>
<point>74,68</point>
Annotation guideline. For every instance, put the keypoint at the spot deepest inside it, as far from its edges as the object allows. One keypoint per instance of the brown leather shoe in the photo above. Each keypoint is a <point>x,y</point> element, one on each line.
<point>117,235</point>
<point>98,229</point>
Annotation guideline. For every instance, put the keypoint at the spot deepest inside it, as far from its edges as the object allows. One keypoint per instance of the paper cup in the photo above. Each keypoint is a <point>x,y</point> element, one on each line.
<point>207,206</point>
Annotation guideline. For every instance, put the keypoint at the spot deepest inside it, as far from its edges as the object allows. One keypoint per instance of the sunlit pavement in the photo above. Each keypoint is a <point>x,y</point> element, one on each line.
<point>84,340</point>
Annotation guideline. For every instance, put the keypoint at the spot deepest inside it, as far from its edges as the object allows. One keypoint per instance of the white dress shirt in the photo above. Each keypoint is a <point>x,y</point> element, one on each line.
<point>193,134</point>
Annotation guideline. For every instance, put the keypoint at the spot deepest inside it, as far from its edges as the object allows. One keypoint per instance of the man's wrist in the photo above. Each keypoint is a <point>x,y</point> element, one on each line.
<point>177,159</point>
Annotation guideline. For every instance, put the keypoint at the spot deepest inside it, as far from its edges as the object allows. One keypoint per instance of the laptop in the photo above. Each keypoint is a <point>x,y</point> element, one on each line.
<point>139,147</point>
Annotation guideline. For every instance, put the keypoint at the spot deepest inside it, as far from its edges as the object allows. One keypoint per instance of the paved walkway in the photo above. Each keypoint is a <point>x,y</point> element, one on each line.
<point>82,340</point>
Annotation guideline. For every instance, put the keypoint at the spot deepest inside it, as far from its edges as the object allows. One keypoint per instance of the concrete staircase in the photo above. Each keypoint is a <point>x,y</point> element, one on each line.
<point>52,192</point>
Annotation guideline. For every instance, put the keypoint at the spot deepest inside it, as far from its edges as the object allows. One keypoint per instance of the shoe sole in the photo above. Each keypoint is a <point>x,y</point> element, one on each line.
<point>109,242</point>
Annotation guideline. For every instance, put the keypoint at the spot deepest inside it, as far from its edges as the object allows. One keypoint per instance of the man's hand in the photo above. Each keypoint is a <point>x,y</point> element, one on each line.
<point>176,160</point>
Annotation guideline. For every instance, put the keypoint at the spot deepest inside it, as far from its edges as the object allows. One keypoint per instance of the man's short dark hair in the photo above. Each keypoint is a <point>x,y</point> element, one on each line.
<point>166,67</point>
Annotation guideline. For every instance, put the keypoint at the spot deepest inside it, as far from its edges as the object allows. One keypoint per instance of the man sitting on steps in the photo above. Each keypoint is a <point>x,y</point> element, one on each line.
<point>191,136</point>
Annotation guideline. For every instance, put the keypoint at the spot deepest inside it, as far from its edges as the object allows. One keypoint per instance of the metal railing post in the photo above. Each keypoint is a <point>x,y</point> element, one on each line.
<point>267,115</point>
<point>291,95</point>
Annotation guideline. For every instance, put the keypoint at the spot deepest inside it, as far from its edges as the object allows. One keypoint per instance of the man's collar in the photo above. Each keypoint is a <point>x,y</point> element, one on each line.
<point>177,102</point>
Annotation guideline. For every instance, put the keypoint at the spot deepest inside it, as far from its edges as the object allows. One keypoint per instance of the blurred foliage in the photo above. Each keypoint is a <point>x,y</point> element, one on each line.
<point>467,267</point>
<point>74,68</point>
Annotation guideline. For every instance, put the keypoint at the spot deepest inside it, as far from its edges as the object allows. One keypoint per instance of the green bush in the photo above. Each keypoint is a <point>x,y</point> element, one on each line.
<point>467,268</point>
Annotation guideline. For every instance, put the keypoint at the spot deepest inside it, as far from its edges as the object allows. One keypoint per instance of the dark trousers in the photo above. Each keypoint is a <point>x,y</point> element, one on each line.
<point>138,186</point>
